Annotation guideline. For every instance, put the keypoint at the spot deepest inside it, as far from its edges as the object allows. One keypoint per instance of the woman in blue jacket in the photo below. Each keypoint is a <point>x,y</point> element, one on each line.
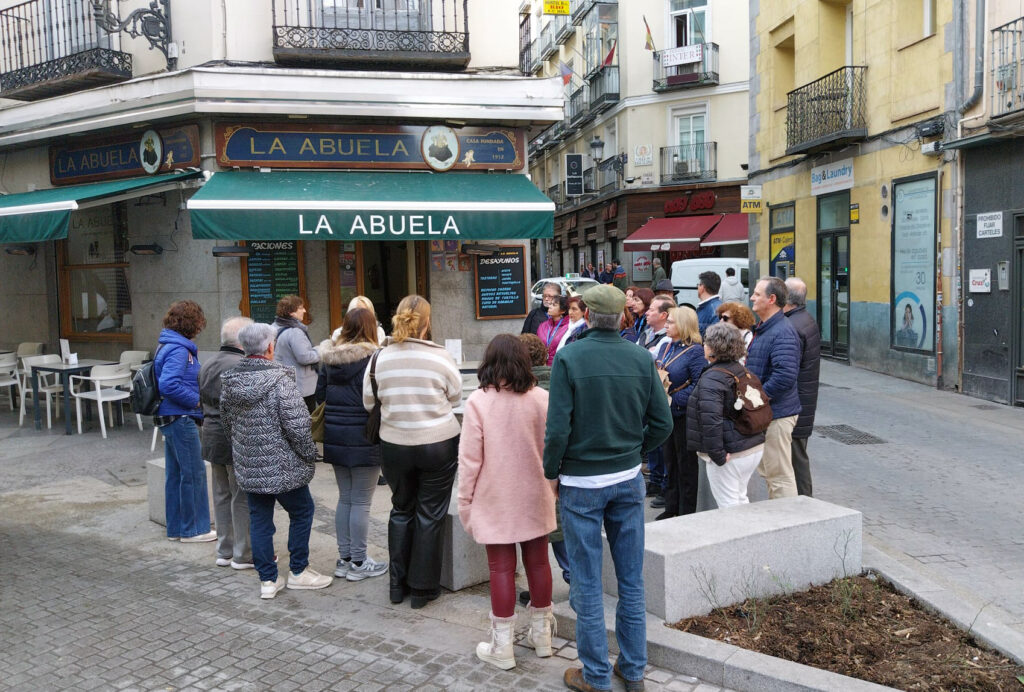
<point>683,358</point>
<point>176,364</point>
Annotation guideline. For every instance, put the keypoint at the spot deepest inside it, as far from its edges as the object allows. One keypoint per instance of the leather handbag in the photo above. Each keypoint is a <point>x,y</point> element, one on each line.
<point>373,420</point>
<point>318,422</point>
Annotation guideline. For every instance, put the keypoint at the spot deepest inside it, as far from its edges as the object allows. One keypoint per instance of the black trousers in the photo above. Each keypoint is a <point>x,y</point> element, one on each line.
<point>681,493</point>
<point>801,466</point>
<point>421,480</point>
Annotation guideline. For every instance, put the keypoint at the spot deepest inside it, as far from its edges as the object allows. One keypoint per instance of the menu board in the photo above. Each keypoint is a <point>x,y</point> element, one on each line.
<point>501,284</point>
<point>272,271</point>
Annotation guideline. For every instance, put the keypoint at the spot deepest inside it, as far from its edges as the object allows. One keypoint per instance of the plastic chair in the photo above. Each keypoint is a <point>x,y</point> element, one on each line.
<point>9,376</point>
<point>48,385</point>
<point>133,359</point>
<point>28,348</point>
<point>110,383</point>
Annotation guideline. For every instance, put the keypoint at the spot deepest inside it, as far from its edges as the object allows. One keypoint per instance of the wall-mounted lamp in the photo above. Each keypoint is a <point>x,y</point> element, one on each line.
<point>152,249</point>
<point>232,251</point>
<point>22,250</point>
<point>479,249</point>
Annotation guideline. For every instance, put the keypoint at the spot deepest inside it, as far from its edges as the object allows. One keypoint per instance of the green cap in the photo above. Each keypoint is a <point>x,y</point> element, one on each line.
<point>605,299</point>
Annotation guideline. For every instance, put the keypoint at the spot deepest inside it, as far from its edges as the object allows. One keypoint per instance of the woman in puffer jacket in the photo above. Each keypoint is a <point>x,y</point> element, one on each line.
<point>729,456</point>
<point>356,461</point>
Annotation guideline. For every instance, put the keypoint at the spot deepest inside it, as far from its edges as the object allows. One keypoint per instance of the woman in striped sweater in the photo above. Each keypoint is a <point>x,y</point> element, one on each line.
<point>418,384</point>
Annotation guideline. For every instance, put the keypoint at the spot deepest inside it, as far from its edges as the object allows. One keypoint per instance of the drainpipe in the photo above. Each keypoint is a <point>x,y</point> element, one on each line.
<point>979,56</point>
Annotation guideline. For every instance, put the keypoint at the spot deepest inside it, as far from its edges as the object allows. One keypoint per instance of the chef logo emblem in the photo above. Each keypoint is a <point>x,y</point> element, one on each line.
<point>440,147</point>
<point>151,151</point>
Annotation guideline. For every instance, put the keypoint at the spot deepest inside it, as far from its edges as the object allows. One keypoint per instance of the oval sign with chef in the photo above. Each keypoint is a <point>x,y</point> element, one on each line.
<point>151,151</point>
<point>440,147</point>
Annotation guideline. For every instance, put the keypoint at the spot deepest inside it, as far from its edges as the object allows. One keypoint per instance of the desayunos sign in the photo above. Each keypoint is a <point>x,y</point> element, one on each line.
<point>832,177</point>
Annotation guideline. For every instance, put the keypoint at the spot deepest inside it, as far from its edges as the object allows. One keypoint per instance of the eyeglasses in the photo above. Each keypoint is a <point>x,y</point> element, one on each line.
<point>724,318</point>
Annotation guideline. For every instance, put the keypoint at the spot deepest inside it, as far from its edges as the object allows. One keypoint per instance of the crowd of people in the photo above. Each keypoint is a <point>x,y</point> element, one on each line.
<point>604,400</point>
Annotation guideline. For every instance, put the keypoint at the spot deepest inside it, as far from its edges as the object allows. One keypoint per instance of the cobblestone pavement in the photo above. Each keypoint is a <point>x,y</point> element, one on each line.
<point>93,597</point>
<point>944,487</point>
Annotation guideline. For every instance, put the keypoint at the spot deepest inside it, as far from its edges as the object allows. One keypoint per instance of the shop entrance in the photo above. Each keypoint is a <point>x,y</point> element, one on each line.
<point>834,275</point>
<point>1017,330</point>
<point>385,272</point>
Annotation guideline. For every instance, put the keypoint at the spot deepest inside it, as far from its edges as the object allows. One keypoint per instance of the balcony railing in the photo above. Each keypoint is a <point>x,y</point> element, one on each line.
<point>579,8</point>
<point>49,48</point>
<point>604,89</point>
<point>607,179</point>
<point>579,106</point>
<point>547,42</point>
<point>416,34</point>
<point>686,67</point>
<point>689,163</point>
<point>563,28</point>
<point>827,113</point>
<point>1007,64</point>
<point>536,63</point>
<point>588,181</point>
<point>556,193</point>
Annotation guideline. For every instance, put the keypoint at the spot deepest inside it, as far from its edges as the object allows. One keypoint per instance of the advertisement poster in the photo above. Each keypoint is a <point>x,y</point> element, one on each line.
<point>782,254</point>
<point>913,265</point>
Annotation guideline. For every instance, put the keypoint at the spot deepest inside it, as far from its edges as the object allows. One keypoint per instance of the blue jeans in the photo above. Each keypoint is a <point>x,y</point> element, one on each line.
<point>657,468</point>
<point>620,509</point>
<point>186,499</point>
<point>299,505</point>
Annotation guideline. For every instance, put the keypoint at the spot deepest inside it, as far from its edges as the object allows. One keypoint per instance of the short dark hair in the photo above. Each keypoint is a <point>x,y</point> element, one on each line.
<point>774,286</point>
<point>287,305</point>
<point>615,261</point>
<point>359,326</point>
<point>665,303</point>
<point>538,351</point>
<point>185,317</point>
<point>563,303</point>
<point>711,280</point>
<point>729,271</point>
<point>576,300</point>
<point>506,364</point>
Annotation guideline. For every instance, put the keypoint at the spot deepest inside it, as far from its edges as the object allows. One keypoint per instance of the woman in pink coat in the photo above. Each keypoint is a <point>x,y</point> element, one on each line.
<point>503,496</point>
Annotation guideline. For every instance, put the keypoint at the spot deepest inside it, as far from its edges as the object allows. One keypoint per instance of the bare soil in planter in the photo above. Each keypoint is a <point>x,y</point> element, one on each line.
<point>863,628</point>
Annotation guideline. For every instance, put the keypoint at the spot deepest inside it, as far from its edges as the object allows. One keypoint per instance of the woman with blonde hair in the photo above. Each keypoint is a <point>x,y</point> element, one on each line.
<point>366,304</point>
<point>683,358</point>
<point>418,384</point>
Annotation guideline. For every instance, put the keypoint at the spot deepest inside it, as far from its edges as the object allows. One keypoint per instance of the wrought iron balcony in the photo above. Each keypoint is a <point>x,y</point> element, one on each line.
<point>607,179</point>
<point>689,163</point>
<point>588,181</point>
<point>580,8</point>
<point>535,60</point>
<point>402,34</point>
<point>48,48</point>
<point>556,193</point>
<point>1007,63</point>
<point>686,67</point>
<point>563,28</point>
<point>604,89</point>
<point>547,42</point>
<point>827,113</point>
<point>579,106</point>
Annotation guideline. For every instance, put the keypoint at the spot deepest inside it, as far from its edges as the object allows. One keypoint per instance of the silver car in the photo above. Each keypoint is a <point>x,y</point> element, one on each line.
<point>573,285</point>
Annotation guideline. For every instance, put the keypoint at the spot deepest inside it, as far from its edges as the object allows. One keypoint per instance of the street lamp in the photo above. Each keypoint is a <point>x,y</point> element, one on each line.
<point>616,163</point>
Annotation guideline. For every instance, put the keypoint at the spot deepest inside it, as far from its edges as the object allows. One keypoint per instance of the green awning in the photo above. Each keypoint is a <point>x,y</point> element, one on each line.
<point>31,217</point>
<point>347,205</point>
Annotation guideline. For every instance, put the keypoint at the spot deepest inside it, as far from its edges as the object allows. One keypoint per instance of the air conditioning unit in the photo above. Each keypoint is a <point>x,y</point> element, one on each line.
<point>931,148</point>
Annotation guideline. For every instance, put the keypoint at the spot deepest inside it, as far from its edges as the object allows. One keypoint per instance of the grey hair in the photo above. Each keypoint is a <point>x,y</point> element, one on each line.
<point>796,291</point>
<point>600,320</point>
<point>774,286</point>
<point>229,330</point>
<point>551,284</point>
<point>725,342</point>
<point>256,338</point>
<point>656,261</point>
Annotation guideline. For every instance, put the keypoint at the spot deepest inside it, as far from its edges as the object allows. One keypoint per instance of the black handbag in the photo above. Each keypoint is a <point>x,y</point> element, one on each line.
<point>373,420</point>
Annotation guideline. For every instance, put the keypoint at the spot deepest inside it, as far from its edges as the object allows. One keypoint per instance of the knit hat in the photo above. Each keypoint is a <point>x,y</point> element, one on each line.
<point>605,299</point>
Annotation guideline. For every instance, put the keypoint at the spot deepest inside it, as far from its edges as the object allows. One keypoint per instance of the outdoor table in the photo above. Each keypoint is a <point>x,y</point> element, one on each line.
<point>65,371</point>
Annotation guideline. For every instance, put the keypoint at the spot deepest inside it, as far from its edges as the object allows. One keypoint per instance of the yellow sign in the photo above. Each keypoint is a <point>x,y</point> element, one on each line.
<point>781,241</point>
<point>750,206</point>
<point>556,6</point>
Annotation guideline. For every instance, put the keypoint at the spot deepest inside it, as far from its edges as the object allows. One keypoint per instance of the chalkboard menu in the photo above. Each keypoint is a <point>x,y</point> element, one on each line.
<point>272,270</point>
<point>501,284</point>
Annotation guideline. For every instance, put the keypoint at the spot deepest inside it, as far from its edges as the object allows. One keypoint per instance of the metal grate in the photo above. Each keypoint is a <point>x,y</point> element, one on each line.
<point>986,407</point>
<point>847,435</point>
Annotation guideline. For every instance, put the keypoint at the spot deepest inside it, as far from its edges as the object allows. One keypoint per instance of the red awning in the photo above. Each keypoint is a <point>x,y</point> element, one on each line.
<point>731,230</point>
<point>677,233</point>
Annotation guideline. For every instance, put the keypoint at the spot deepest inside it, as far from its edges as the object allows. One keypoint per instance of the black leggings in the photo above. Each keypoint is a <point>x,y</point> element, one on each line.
<point>681,494</point>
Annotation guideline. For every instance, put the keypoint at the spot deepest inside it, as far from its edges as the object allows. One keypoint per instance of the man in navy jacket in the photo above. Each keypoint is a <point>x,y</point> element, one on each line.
<point>807,380</point>
<point>774,356</point>
<point>708,284</point>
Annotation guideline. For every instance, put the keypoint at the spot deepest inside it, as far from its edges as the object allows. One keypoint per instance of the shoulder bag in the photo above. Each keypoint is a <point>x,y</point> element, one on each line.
<point>373,420</point>
<point>663,374</point>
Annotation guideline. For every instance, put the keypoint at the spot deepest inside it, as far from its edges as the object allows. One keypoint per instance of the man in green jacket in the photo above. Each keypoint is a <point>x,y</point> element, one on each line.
<point>606,408</point>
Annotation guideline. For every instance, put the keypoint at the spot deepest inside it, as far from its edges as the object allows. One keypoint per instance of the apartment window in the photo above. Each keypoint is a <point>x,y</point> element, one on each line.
<point>688,22</point>
<point>395,15</point>
<point>690,128</point>
<point>611,140</point>
<point>600,36</point>
<point>915,19</point>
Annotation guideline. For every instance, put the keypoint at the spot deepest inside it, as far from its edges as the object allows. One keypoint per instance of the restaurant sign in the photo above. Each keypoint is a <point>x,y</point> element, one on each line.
<point>130,155</point>
<point>409,147</point>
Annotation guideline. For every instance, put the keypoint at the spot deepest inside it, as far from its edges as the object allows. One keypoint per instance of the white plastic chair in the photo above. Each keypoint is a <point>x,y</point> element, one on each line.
<point>110,383</point>
<point>9,376</point>
<point>27,348</point>
<point>49,385</point>
<point>133,359</point>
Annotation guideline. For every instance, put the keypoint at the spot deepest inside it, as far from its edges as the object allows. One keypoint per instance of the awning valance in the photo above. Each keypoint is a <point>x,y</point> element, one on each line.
<point>30,217</point>
<point>731,230</point>
<point>677,233</point>
<point>346,205</point>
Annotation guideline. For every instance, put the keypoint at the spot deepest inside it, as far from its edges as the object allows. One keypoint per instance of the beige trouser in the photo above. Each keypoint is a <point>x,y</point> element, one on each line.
<point>776,465</point>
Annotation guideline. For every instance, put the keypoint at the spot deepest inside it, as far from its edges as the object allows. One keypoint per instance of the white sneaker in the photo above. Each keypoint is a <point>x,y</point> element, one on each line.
<point>223,561</point>
<point>269,589</point>
<point>369,568</point>
<point>201,538</point>
<point>309,579</point>
<point>240,565</point>
<point>341,568</point>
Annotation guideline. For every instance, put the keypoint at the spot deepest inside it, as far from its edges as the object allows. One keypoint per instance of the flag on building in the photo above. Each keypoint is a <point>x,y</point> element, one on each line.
<point>649,41</point>
<point>611,55</point>
<point>566,72</point>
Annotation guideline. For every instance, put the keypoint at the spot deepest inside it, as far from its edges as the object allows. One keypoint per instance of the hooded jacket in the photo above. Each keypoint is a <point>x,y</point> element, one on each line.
<point>269,427</point>
<point>177,371</point>
<point>732,290</point>
<point>340,386</point>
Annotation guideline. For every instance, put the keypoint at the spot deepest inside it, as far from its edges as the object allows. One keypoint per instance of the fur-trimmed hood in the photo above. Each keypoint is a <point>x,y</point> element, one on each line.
<point>343,354</point>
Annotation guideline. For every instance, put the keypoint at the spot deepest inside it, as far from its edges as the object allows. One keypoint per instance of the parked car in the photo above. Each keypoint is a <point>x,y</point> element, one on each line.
<point>571,284</point>
<point>685,272</point>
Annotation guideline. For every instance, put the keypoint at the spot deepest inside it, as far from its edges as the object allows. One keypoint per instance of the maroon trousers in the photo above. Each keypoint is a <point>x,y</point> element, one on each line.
<point>501,561</point>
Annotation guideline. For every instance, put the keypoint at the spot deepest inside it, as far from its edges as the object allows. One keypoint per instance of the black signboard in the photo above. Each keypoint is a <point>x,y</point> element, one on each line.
<point>272,271</point>
<point>573,175</point>
<point>501,284</point>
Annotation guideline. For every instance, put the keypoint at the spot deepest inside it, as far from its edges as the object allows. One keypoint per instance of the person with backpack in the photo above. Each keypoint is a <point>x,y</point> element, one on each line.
<point>729,453</point>
<point>295,348</point>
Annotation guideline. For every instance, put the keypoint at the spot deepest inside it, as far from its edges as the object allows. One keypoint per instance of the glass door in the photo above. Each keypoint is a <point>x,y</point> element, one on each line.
<point>834,274</point>
<point>383,271</point>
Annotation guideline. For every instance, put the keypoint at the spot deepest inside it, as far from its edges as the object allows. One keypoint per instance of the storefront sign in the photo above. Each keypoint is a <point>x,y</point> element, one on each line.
<point>409,147</point>
<point>990,225</point>
<point>912,324</point>
<point>683,55</point>
<point>701,200</point>
<point>642,266</point>
<point>750,199</point>
<point>782,255</point>
<point>556,6</point>
<point>125,156</point>
<point>501,284</point>
<point>832,177</point>
<point>272,271</point>
<point>980,281</point>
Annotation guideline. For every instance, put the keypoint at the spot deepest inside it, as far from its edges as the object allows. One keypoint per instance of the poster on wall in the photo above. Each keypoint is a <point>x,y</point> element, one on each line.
<point>912,319</point>
<point>782,256</point>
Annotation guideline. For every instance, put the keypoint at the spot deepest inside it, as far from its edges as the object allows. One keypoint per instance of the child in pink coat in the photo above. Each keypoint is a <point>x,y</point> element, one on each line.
<point>503,496</point>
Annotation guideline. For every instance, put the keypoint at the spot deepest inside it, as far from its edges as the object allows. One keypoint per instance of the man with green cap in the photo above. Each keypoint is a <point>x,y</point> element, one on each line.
<point>606,408</point>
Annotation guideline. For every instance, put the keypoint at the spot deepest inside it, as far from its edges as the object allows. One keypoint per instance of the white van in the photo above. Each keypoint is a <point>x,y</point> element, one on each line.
<point>685,272</point>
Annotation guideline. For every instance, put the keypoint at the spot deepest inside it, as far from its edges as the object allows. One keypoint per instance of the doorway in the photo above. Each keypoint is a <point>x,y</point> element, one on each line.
<point>385,272</point>
<point>834,275</point>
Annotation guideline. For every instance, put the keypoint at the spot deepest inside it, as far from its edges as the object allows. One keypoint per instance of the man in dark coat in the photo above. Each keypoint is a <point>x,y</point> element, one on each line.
<point>539,315</point>
<point>708,284</point>
<point>774,356</point>
<point>807,380</point>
